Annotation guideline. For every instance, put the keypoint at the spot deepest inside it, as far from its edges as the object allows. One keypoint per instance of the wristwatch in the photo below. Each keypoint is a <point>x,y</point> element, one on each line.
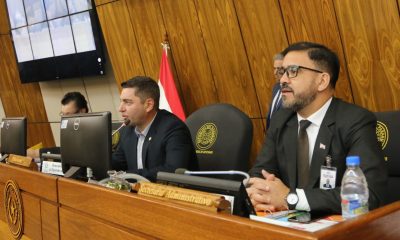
<point>292,199</point>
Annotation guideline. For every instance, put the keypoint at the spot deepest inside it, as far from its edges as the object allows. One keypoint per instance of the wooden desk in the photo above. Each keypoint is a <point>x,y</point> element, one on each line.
<point>87,211</point>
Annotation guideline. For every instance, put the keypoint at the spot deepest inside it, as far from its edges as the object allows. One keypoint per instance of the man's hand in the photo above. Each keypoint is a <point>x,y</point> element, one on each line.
<point>268,194</point>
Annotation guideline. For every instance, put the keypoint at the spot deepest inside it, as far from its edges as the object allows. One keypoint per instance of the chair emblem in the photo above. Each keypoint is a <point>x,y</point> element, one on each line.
<point>13,208</point>
<point>115,140</point>
<point>382,133</point>
<point>206,136</point>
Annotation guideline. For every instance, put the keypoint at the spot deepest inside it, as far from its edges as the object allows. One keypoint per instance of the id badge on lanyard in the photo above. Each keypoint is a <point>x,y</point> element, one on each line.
<point>328,175</point>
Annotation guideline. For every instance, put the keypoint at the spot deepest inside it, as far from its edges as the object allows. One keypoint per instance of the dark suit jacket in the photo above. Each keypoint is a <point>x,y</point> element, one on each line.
<point>275,90</point>
<point>168,146</point>
<point>345,130</point>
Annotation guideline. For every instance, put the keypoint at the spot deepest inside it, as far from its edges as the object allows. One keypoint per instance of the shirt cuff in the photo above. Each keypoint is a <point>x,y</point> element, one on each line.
<point>303,203</point>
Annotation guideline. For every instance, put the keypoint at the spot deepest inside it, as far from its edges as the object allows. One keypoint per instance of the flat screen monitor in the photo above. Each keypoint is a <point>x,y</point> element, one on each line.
<point>86,143</point>
<point>55,39</point>
<point>13,136</point>
<point>234,189</point>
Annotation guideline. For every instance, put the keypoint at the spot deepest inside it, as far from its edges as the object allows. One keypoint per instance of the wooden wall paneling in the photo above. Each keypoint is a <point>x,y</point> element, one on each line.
<point>4,24</point>
<point>49,216</point>
<point>40,132</point>
<point>314,20</point>
<point>147,22</point>
<point>120,40</point>
<point>100,2</point>
<point>189,53</point>
<point>264,35</point>
<point>145,13</point>
<point>371,34</point>
<point>22,99</point>
<point>8,94</point>
<point>227,55</point>
<point>258,139</point>
<point>32,219</point>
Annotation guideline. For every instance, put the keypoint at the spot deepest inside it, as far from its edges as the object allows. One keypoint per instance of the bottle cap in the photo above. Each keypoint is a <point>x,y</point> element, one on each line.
<point>352,160</point>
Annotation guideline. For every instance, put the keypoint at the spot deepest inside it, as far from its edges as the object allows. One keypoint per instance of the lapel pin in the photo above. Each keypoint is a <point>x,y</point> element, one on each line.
<point>149,139</point>
<point>322,146</point>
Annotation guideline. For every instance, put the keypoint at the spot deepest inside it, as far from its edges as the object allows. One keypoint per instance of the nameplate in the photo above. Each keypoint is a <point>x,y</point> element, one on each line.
<point>203,200</point>
<point>22,161</point>
<point>52,168</point>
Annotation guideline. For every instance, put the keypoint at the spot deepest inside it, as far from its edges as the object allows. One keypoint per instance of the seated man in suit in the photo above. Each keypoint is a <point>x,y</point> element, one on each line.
<point>276,100</point>
<point>312,130</point>
<point>71,103</point>
<point>155,140</point>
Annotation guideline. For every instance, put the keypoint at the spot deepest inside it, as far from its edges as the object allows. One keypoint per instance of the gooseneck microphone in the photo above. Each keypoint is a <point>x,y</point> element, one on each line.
<point>125,123</point>
<point>230,172</point>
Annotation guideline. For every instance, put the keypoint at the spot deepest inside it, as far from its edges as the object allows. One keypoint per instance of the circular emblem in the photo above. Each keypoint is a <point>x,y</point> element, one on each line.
<point>77,121</point>
<point>13,208</point>
<point>382,134</point>
<point>206,136</point>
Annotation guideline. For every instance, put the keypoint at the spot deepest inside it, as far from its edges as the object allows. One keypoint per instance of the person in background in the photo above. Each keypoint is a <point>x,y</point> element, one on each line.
<point>314,129</point>
<point>276,90</point>
<point>71,103</point>
<point>154,140</point>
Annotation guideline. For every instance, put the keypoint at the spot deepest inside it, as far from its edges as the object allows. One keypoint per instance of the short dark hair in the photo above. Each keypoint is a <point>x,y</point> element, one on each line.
<point>146,87</point>
<point>322,56</point>
<point>76,97</point>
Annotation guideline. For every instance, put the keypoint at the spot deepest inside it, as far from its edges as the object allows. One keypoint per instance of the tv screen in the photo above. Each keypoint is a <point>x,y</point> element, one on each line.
<point>233,189</point>
<point>86,143</point>
<point>55,39</point>
<point>13,136</point>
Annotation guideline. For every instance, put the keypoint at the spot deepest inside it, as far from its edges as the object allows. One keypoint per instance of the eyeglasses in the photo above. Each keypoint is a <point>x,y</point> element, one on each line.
<point>292,70</point>
<point>67,113</point>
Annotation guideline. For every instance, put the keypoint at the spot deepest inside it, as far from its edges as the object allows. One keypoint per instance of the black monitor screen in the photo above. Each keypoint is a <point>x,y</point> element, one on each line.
<point>241,202</point>
<point>86,142</point>
<point>55,39</point>
<point>13,136</point>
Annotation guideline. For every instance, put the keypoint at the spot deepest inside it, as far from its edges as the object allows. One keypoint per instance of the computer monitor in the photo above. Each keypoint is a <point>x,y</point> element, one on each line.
<point>13,136</point>
<point>86,143</point>
<point>241,202</point>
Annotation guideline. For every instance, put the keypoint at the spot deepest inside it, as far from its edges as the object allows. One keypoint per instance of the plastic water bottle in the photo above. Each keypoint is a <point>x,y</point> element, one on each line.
<point>354,191</point>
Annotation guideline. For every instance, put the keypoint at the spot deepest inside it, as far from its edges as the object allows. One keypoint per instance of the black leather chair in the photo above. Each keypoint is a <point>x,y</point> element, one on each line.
<point>388,133</point>
<point>222,135</point>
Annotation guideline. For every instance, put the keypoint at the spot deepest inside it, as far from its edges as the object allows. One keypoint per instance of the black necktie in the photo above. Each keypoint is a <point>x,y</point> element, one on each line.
<point>303,165</point>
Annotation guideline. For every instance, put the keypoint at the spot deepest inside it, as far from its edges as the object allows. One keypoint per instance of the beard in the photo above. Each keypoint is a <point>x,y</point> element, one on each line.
<point>300,100</point>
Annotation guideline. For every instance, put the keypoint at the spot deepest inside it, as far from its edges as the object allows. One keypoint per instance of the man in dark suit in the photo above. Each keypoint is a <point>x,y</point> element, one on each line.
<point>276,100</point>
<point>280,178</point>
<point>155,140</point>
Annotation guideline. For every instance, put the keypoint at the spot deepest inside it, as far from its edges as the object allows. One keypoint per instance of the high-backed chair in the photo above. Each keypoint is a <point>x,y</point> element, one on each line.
<point>388,133</point>
<point>222,135</point>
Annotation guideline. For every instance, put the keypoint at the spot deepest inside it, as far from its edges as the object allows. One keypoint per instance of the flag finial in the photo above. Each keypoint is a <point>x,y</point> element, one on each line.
<point>165,43</point>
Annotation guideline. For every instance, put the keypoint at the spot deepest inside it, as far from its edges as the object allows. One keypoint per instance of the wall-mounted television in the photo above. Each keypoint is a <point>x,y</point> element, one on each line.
<point>55,39</point>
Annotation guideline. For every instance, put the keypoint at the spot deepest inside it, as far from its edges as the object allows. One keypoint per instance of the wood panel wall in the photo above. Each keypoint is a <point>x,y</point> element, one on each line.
<point>20,99</point>
<point>222,50</point>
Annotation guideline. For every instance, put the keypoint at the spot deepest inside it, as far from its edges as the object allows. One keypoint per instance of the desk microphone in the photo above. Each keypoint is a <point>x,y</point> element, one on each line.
<point>230,172</point>
<point>125,123</point>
